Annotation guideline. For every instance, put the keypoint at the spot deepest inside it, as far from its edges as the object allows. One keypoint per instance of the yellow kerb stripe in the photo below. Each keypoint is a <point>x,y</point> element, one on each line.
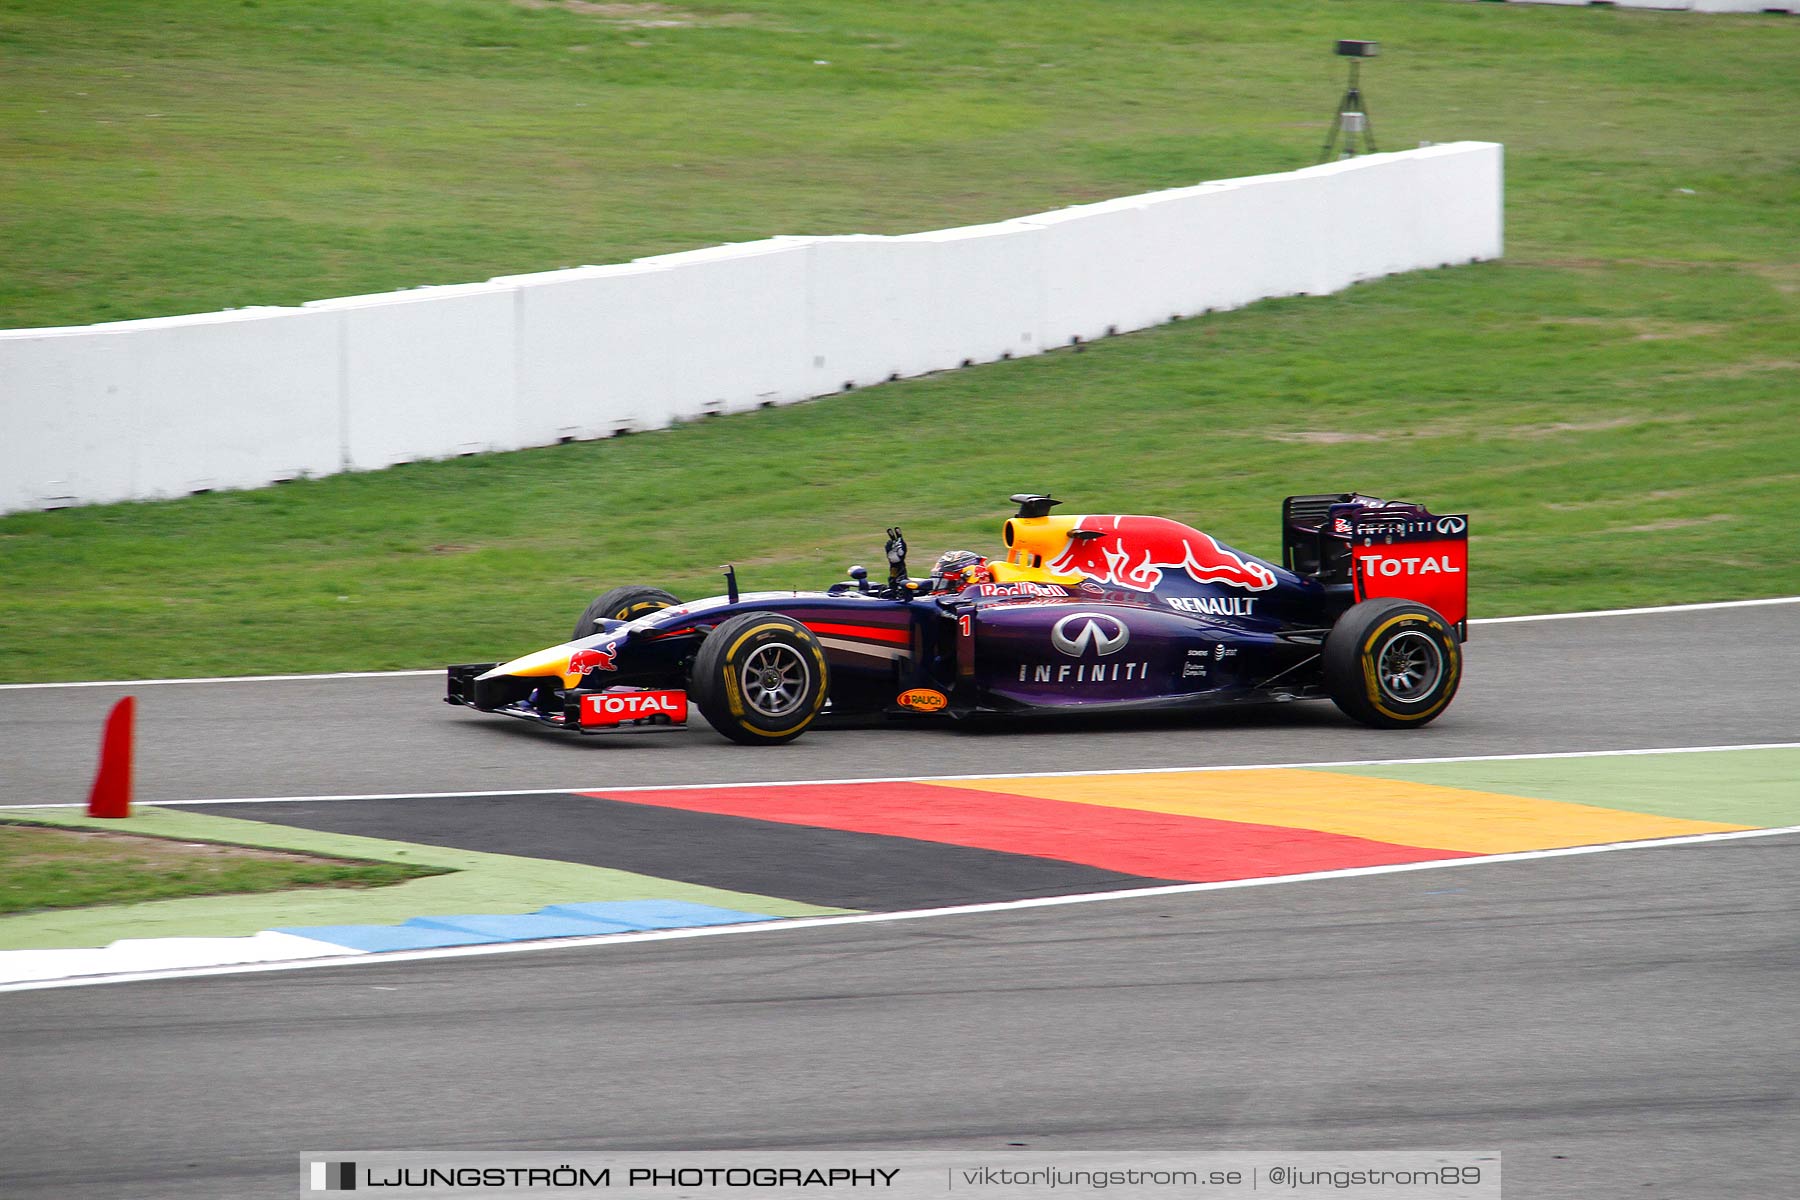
<point>1382,810</point>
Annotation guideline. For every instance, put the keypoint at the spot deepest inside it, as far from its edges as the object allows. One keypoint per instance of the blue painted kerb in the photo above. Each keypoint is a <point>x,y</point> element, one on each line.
<point>552,921</point>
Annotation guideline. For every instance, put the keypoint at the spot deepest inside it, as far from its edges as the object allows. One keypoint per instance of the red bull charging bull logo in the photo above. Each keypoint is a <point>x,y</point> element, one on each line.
<point>583,661</point>
<point>1135,552</point>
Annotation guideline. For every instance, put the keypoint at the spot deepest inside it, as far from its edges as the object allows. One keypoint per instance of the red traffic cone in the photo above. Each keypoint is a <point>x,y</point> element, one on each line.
<point>111,796</point>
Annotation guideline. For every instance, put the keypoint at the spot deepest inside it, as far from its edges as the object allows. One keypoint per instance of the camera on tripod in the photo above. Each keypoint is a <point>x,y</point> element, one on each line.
<point>1352,116</point>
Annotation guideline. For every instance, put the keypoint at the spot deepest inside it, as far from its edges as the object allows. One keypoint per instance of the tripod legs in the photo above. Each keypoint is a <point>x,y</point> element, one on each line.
<point>1350,120</point>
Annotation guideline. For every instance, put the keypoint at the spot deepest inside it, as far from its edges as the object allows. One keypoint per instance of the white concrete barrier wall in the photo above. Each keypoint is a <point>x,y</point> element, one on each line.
<point>1100,269</point>
<point>1224,263</point>
<point>167,406</point>
<point>868,311</point>
<point>262,379</point>
<point>146,409</point>
<point>572,384</point>
<point>425,373</point>
<point>984,292</point>
<point>69,434</point>
<point>721,329</point>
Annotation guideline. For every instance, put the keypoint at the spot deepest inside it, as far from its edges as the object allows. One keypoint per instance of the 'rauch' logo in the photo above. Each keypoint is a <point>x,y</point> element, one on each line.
<point>923,700</point>
<point>1097,632</point>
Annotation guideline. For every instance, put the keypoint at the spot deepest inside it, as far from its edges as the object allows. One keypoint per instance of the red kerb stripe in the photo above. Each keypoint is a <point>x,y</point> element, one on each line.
<point>1155,845</point>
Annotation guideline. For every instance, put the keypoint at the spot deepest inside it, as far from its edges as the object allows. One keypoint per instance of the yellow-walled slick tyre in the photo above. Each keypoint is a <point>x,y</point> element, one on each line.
<point>622,604</point>
<point>760,678</point>
<point>1392,664</point>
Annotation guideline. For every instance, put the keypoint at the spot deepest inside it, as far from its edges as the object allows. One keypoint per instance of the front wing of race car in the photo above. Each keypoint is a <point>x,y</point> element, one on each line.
<point>580,710</point>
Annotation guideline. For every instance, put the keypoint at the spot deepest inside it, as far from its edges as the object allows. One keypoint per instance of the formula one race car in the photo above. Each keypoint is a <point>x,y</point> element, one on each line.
<point>1085,614</point>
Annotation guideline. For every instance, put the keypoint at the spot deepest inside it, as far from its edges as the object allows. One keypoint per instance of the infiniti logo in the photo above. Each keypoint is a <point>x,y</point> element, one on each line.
<point>1098,632</point>
<point>1451,525</point>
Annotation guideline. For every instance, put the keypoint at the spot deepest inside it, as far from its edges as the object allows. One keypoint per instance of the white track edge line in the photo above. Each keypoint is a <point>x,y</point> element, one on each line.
<point>98,683</point>
<point>1568,616</point>
<point>998,906</point>
<point>1633,612</point>
<point>1111,771</point>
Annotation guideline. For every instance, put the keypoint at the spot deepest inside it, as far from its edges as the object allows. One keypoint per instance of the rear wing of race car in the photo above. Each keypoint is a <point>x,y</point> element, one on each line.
<point>1381,548</point>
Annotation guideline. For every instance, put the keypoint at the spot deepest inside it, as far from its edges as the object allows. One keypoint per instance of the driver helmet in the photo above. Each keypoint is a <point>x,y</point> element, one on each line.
<point>957,569</point>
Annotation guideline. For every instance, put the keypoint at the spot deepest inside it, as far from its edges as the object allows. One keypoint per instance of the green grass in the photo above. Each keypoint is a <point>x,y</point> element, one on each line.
<point>158,159</point>
<point>43,869</point>
<point>1615,403</point>
<point>450,881</point>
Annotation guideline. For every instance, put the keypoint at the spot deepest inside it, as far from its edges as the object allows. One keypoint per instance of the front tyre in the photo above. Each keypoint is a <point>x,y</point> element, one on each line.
<point>622,604</point>
<point>760,678</point>
<point>1392,663</point>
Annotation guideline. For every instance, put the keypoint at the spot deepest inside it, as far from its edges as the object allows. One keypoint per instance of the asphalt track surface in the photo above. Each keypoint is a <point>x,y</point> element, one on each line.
<point>1621,1024</point>
<point>1618,1025</point>
<point>1693,678</point>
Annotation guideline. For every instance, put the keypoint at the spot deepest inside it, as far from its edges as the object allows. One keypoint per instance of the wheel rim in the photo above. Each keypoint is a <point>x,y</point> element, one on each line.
<point>776,680</point>
<point>1409,667</point>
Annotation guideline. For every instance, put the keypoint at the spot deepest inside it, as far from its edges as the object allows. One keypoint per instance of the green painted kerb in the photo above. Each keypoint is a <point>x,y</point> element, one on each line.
<point>487,883</point>
<point>1736,787</point>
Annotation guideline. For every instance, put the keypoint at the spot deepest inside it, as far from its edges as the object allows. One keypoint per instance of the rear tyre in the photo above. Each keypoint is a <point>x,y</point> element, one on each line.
<point>1392,663</point>
<point>622,604</point>
<point>760,678</point>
